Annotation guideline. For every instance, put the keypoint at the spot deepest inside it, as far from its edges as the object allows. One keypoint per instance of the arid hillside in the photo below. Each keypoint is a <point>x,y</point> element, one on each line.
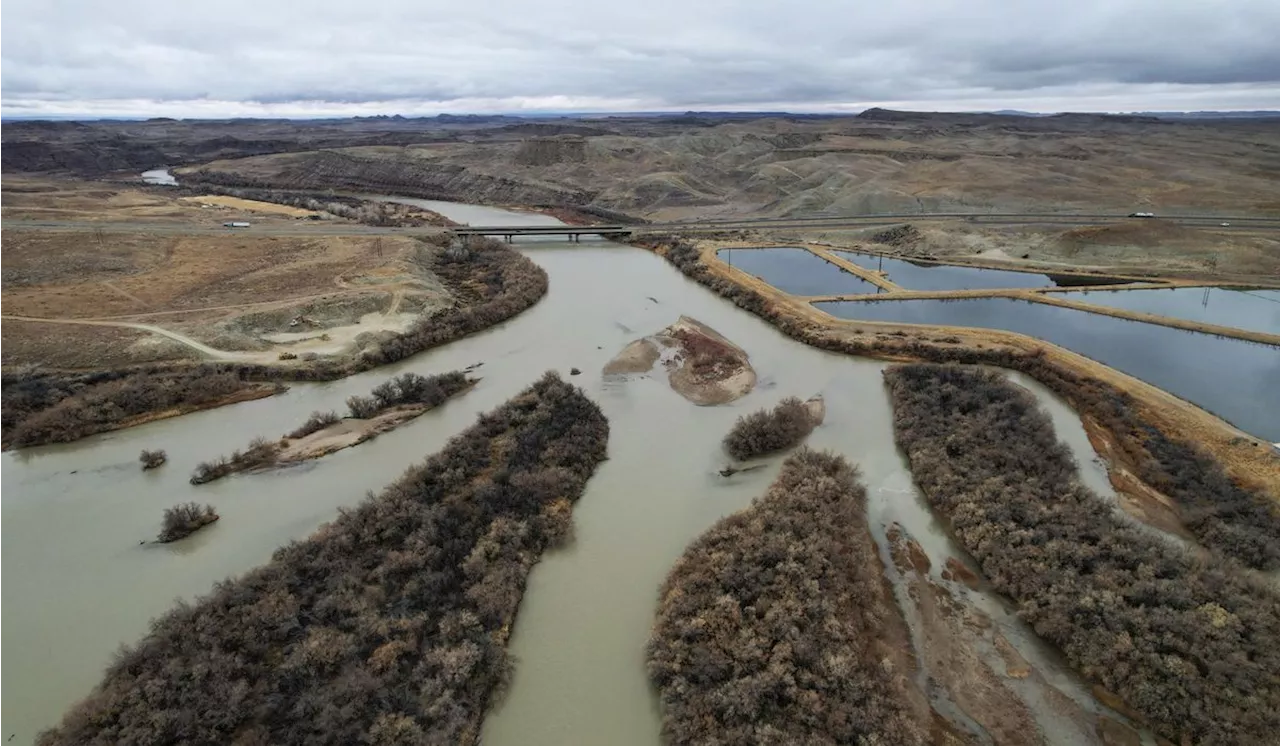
<point>877,162</point>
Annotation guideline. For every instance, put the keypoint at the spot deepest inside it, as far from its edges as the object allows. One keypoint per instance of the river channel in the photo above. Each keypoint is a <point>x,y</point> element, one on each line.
<point>77,583</point>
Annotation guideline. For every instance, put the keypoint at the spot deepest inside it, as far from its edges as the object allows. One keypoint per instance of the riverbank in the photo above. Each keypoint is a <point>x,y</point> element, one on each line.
<point>1087,385</point>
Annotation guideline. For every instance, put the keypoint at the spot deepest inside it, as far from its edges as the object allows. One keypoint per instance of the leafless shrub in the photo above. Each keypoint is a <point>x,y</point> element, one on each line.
<point>184,520</point>
<point>1183,640</point>
<point>315,423</point>
<point>363,407</point>
<point>767,627</point>
<point>766,431</point>
<point>386,626</point>
<point>261,453</point>
<point>57,407</point>
<point>152,459</point>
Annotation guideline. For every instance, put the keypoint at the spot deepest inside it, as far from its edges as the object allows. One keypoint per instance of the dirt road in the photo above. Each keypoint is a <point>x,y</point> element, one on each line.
<point>216,354</point>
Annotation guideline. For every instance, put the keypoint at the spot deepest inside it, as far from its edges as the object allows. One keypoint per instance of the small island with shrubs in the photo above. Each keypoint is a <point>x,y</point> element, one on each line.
<point>152,459</point>
<point>183,520</point>
<point>768,431</point>
<point>390,405</point>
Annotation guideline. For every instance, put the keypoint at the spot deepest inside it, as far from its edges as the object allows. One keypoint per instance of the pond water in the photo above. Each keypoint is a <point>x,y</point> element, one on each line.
<point>159,176</point>
<point>1255,310</point>
<point>797,271</point>
<point>77,584</point>
<point>911,276</point>
<point>1231,378</point>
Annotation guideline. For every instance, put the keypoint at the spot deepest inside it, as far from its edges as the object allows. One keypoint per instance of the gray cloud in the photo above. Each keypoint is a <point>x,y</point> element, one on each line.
<point>325,57</point>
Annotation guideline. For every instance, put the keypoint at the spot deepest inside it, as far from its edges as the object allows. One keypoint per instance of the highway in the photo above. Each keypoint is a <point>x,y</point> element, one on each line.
<point>327,228</point>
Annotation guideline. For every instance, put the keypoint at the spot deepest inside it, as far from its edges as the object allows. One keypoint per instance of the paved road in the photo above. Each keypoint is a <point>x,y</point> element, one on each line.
<point>1245,223</point>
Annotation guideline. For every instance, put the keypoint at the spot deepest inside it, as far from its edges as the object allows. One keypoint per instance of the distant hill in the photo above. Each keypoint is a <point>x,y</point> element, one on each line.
<point>1261,114</point>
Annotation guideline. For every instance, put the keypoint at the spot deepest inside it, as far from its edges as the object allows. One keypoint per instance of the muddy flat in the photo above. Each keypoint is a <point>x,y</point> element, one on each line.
<point>702,365</point>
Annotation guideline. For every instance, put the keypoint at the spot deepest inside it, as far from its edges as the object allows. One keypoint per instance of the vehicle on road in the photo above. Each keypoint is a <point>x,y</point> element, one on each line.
<point>235,224</point>
<point>1142,214</point>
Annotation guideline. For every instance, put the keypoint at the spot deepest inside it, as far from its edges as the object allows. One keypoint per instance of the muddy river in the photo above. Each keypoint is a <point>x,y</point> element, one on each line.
<point>77,583</point>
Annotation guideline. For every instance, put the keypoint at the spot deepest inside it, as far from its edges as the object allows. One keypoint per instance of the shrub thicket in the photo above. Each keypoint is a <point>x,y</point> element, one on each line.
<point>52,408</point>
<point>768,625</point>
<point>389,625</point>
<point>152,459</point>
<point>1229,519</point>
<point>260,454</point>
<point>766,431</point>
<point>1193,645</point>
<point>491,282</point>
<point>184,520</point>
<point>314,424</point>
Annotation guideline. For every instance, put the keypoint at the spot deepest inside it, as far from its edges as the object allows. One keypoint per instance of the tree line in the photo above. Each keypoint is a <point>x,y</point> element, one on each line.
<point>491,284</point>
<point>388,625</point>
<point>1230,519</point>
<point>1191,644</point>
<point>769,626</point>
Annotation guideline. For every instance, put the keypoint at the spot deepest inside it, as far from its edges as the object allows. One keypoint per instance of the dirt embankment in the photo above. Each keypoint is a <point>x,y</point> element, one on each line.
<point>702,365</point>
<point>977,674</point>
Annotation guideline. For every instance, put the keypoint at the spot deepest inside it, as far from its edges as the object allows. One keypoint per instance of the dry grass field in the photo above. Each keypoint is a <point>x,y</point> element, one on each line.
<point>228,291</point>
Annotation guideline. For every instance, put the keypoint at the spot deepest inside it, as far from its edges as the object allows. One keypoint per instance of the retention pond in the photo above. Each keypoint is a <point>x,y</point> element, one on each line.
<point>1254,310</point>
<point>1232,378</point>
<point>797,271</point>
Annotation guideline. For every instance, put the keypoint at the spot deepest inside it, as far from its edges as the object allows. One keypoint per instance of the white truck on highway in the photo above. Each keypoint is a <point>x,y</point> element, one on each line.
<point>235,224</point>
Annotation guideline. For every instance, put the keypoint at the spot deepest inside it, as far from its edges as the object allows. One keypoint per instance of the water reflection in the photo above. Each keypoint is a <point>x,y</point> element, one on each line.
<point>1231,378</point>
<point>1255,310</point>
<point>796,271</point>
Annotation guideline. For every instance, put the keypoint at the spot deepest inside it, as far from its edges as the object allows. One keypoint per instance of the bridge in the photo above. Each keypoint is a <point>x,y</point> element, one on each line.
<point>574,233</point>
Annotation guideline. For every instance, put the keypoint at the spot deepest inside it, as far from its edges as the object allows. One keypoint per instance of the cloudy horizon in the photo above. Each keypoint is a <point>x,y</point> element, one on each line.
<point>146,58</point>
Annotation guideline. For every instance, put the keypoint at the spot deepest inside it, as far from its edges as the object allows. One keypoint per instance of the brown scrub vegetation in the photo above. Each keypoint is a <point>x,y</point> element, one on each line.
<point>185,519</point>
<point>769,625</point>
<point>1229,518</point>
<point>766,431</point>
<point>152,459</point>
<point>388,625</point>
<point>47,407</point>
<point>1191,644</point>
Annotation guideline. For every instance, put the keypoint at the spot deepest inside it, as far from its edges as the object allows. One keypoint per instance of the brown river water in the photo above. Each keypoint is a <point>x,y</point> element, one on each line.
<point>77,584</point>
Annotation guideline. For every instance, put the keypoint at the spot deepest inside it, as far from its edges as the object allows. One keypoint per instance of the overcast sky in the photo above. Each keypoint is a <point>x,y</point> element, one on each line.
<point>338,57</point>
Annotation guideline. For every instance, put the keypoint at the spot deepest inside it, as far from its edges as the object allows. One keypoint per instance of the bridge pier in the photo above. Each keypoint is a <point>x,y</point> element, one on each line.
<point>509,238</point>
